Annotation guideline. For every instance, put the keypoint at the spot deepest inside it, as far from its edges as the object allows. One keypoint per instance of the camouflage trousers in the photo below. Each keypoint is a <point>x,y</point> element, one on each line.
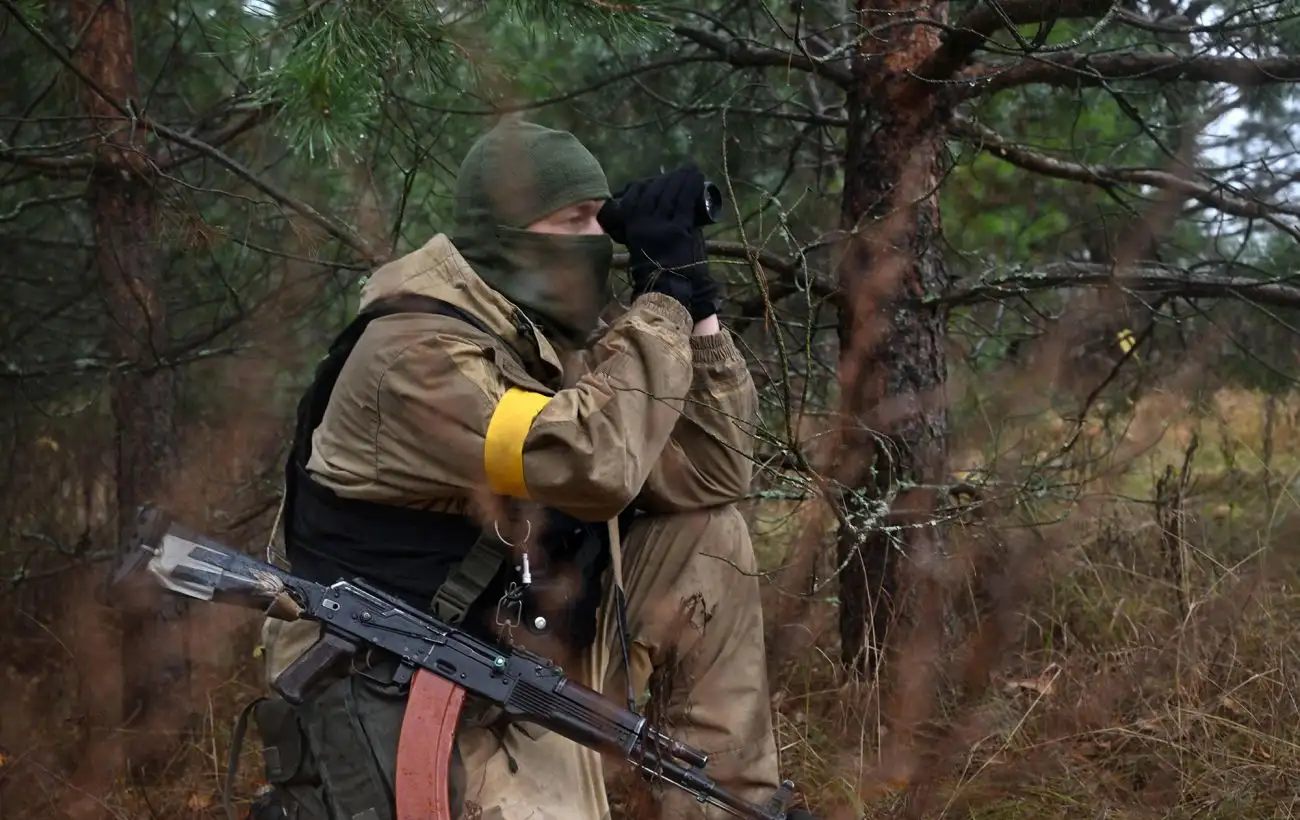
<point>697,645</point>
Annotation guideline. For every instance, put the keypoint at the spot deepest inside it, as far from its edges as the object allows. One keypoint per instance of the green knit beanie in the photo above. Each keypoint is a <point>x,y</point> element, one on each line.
<point>519,172</point>
<point>513,175</point>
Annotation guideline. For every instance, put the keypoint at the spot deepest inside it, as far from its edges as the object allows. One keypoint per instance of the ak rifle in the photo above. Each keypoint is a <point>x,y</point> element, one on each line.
<point>355,616</point>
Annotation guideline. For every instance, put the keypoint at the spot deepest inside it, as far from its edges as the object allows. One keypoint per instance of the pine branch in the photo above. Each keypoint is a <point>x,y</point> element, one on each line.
<point>335,229</point>
<point>329,86</point>
<point>601,18</point>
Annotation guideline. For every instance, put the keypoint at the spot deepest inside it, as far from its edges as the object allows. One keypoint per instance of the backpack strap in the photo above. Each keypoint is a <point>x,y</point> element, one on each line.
<point>476,570</point>
<point>467,580</point>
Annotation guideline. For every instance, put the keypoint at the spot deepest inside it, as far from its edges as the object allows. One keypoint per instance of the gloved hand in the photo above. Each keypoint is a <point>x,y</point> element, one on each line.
<point>800,814</point>
<point>704,296</point>
<point>655,219</point>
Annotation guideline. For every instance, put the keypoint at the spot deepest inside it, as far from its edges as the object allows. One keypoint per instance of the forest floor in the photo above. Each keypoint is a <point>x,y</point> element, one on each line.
<point>1148,668</point>
<point>1145,667</point>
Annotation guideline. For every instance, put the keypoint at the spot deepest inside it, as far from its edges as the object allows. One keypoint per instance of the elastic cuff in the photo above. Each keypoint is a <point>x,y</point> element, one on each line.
<point>716,348</point>
<point>667,307</point>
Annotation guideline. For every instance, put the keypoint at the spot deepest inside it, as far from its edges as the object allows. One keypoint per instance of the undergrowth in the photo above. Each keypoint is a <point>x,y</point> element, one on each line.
<point>1139,677</point>
<point>1144,677</point>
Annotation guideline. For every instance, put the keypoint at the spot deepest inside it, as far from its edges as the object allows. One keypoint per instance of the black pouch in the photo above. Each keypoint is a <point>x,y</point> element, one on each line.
<point>335,756</point>
<point>380,708</point>
<point>353,783</point>
<point>288,765</point>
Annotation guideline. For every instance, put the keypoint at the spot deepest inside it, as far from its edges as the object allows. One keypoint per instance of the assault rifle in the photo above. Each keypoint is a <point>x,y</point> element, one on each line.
<point>355,616</point>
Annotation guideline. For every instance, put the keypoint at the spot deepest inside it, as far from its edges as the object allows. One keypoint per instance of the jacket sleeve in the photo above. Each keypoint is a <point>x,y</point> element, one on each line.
<point>454,413</point>
<point>709,459</point>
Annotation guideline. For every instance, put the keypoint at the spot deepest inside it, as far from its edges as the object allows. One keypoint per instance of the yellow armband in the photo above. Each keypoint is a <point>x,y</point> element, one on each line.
<point>503,449</point>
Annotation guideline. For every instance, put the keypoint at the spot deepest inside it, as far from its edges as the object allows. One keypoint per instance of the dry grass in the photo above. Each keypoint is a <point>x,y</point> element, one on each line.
<point>1117,697</point>
<point>1113,696</point>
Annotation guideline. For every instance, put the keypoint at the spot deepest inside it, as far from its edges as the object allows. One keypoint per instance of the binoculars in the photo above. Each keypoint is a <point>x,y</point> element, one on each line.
<point>709,206</point>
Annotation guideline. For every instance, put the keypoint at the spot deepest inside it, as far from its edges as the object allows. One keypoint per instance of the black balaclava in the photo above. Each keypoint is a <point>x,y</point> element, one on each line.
<point>513,175</point>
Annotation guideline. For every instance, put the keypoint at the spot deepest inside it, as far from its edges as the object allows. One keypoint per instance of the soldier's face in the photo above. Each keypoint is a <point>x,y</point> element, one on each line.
<point>575,220</point>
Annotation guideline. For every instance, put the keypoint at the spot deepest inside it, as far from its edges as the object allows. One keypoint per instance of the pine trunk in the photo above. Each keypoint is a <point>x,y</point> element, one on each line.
<point>129,265</point>
<point>892,359</point>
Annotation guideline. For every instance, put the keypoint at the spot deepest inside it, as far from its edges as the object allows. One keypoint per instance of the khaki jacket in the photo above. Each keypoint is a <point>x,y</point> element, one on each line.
<point>431,412</point>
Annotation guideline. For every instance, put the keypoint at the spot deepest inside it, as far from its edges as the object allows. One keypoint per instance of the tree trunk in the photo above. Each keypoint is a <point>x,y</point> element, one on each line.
<point>892,359</point>
<point>124,210</point>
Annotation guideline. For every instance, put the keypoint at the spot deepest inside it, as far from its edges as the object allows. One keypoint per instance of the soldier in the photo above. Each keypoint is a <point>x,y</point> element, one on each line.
<point>477,425</point>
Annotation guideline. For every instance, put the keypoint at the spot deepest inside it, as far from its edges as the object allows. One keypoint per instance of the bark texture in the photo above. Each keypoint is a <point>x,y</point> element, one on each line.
<point>892,359</point>
<point>129,264</point>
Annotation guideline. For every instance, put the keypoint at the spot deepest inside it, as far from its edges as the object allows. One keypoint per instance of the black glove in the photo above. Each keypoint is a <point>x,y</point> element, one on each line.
<point>704,298</point>
<point>801,814</point>
<point>655,219</point>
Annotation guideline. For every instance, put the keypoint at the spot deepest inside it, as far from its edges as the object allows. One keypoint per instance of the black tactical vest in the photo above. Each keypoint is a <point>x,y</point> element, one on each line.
<point>410,553</point>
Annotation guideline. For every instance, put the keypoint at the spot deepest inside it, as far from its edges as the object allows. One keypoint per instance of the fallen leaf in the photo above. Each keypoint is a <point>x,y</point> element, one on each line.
<point>1041,685</point>
<point>1230,705</point>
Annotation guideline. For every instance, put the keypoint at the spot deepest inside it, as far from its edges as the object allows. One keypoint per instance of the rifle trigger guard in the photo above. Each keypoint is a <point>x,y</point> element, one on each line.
<point>402,674</point>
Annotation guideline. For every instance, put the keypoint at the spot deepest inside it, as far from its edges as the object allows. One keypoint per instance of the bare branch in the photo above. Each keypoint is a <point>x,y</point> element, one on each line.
<point>332,227</point>
<point>47,165</point>
<point>745,55</point>
<point>10,371</point>
<point>769,260</point>
<point>785,278</point>
<point>782,277</point>
<point>987,18</point>
<point>1105,175</point>
<point>1146,279</point>
<point>25,574</point>
<point>595,85</point>
<point>37,202</point>
<point>1075,70</point>
<point>738,250</point>
<point>251,119</point>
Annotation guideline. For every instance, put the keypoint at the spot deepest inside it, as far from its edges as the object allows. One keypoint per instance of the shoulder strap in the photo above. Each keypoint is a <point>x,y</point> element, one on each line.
<point>311,409</point>
<point>475,572</point>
